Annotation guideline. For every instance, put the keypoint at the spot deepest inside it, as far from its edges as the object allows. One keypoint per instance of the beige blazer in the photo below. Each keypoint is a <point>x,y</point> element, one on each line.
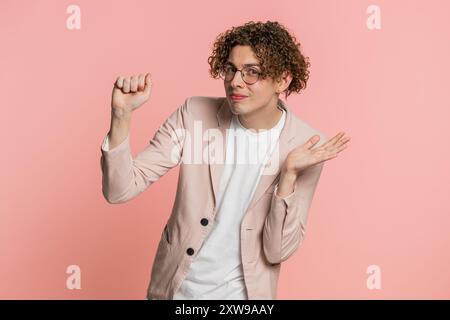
<point>272,227</point>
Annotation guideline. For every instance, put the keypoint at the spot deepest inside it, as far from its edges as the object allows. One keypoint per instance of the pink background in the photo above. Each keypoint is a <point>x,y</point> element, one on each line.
<point>383,201</point>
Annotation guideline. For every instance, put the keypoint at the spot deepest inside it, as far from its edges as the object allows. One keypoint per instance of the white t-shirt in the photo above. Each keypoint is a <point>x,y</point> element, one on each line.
<point>216,272</point>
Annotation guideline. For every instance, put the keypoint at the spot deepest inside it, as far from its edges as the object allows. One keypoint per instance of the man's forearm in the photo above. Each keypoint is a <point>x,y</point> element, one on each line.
<point>120,127</point>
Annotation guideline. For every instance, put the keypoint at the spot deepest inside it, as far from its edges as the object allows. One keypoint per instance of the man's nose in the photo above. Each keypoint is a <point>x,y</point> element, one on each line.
<point>237,79</point>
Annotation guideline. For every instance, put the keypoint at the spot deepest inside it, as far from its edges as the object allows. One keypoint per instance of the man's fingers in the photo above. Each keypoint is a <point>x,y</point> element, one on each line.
<point>333,140</point>
<point>337,137</point>
<point>340,148</point>
<point>126,85</point>
<point>134,83</point>
<point>312,141</point>
<point>342,141</point>
<point>119,82</point>
<point>333,152</point>
<point>148,83</point>
<point>141,82</point>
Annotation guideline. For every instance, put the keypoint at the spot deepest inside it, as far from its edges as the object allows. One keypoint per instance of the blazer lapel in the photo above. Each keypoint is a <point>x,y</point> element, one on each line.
<point>216,169</point>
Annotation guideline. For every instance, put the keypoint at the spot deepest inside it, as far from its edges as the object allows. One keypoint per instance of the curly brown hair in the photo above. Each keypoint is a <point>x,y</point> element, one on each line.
<point>277,50</point>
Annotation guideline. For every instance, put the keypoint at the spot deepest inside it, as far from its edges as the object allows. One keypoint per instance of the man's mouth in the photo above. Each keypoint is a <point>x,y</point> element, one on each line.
<point>237,97</point>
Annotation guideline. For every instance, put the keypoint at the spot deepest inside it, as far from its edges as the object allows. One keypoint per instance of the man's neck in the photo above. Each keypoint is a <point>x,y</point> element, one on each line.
<point>263,119</point>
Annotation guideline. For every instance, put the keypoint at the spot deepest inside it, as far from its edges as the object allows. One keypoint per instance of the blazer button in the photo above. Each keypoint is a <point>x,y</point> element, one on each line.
<point>204,222</point>
<point>190,251</point>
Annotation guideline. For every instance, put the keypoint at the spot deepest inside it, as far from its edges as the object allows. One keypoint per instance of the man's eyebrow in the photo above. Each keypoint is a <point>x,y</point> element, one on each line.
<point>247,64</point>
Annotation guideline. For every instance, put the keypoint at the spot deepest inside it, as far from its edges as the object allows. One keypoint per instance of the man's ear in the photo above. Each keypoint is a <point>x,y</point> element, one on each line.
<point>284,81</point>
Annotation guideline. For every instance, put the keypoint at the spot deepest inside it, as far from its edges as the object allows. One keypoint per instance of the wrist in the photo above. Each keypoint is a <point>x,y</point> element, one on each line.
<point>120,113</point>
<point>288,175</point>
<point>286,185</point>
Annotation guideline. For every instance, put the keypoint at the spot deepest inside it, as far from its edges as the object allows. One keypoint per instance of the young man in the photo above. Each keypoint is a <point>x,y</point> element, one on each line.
<point>233,221</point>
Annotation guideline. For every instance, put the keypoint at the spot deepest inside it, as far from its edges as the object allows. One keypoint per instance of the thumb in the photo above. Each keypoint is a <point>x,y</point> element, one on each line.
<point>148,83</point>
<point>312,141</point>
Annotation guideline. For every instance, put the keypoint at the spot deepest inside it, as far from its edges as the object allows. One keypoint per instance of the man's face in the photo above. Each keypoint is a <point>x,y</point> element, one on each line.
<point>259,95</point>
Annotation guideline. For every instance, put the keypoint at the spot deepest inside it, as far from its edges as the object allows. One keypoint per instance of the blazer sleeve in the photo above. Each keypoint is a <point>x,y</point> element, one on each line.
<point>284,227</point>
<point>125,177</point>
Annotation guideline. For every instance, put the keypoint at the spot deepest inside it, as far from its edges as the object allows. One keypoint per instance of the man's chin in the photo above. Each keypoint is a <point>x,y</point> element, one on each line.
<point>236,108</point>
<point>234,111</point>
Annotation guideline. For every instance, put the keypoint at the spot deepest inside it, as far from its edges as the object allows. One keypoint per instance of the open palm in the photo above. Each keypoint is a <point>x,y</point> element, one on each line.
<point>305,155</point>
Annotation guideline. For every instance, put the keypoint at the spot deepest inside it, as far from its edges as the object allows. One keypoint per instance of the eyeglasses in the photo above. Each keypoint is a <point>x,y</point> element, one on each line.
<point>249,75</point>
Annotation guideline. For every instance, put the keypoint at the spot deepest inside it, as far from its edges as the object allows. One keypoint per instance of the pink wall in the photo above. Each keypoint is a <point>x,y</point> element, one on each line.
<point>383,201</point>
